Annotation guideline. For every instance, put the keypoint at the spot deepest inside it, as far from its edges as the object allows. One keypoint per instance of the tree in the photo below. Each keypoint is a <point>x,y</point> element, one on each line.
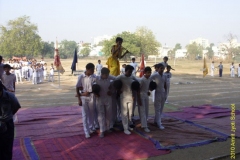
<point>230,46</point>
<point>85,51</point>
<point>20,38</point>
<point>129,42</point>
<point>194,50</point>
<point>147,41</point>
<point>67,48</point>
<point>48,49</point>
<point>171,53</point>
<point>210,52</point>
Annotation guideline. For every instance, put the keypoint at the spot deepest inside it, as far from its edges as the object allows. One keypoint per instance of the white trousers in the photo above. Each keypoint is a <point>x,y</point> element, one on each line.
<point>18,75</point>
<point>158,106</point>
<point>87,113</point>
<point>212,72</point>
<point>153,95</point>
<point>126,109</point>
<point>134,102</point>
<point>104,110</point>
<point>232,73</point>
<point>144,110</point>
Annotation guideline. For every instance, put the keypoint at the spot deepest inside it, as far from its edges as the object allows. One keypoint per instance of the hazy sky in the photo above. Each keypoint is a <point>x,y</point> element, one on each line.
<point>172,21</point>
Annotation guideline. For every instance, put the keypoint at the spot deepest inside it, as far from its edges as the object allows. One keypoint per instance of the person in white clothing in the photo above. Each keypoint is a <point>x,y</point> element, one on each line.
<point>99,67</point>
<point>45,71</point>
<point>126,99</point>
<point>30,73</point>
<point>165,59</point>
<point>156,67</point>
<point>86,98</point>
<point>35,74</point>
<point>104,101</point>
<point>232,69</point>
<point>212,69</point>
<point>168,74</point>
<point>122,71</point>
<point>51,74</point>
<point>18,74</point>
<point>9,79</point>
<point>238,70</point>
<point>160,95</point>
<point>135,66</point>
<point>144,94</point>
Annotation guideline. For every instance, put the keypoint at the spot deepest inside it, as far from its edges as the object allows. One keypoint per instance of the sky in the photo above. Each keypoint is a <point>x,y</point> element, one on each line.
<point>171,21</point>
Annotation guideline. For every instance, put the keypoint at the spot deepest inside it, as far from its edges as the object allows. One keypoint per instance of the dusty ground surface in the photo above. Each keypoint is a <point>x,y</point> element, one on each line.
<point>188,88</point>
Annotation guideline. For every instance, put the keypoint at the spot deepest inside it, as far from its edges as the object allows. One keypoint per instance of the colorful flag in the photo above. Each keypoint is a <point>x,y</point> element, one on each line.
<point>205,68</point>
<point>142,66</point>
<point>75,60</point>
<point>57,61</point>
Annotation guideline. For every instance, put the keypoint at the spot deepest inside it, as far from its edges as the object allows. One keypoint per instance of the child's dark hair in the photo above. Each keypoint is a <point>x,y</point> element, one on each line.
<point>117,84</point>
<point>96,89</point>
<point>165,57</point>
<point>7,66</point>
<point>99,60</point>
<point>160,65</point>
<point>128,67</point>
<point>133,59</point>
<point>119,39</point>
<point>105,70</point>
<point>147,69</point>
<point>90,66</point>
<point>135,86</point>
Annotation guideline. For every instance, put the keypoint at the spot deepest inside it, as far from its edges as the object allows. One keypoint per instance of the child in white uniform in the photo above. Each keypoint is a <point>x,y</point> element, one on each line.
<point>169,76</point>
<point>86,98</point>
<point>45,71</point>
<point>135,66</point>
<point>99,68</point>
<point>212,69</point>
<point>104,101</point>
<point>122,71</point>
<point>239,70</point>
<point>35,74</point>
<point>126,97</point>
<point>155,71</point>
<point>51,74</point>
<point>232,68</point>
<point>144,93</point>
<point>160,95</point>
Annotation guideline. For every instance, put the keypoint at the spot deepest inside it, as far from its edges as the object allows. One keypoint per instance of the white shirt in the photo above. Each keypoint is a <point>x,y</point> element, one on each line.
<point>212,66</point>
<point>86,82</point>
<point>232,68</point>
<point>51,71</point>
<point>99,67</point>
<point>8,81</point>
<point>126,85</point>
<point>135,66</point>
<point>160,81</point>
<point>104,84</point>
<point>165,64</point>
<point>168,75</point>
<point>144,84</point>
<point>122,71</point>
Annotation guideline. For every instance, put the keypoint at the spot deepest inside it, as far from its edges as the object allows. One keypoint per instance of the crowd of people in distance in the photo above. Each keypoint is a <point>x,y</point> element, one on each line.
<point>233,71</point>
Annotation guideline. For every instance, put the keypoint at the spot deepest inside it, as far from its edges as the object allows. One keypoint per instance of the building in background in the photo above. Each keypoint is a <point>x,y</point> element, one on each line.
<point>200,41</point>
<point>97,40</point>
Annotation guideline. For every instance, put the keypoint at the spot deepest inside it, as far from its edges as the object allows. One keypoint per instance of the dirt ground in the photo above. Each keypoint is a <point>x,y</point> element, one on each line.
<point>188,87</point>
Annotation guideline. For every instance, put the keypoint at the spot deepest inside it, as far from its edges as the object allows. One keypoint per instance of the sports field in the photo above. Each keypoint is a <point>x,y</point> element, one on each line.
<point>188,88</point>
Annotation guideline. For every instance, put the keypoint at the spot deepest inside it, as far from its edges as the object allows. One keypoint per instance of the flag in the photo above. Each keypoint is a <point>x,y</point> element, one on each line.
<point>75,60</point>
<point>205,68</point>
<point>142,66</point>
<point>57,61</point>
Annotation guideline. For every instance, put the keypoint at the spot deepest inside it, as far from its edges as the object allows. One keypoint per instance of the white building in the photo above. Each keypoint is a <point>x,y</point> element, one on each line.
<point>201,41</point>
<point>96,51</point>
<point>181,53</point>
<point>163,51</point>
<point>98,39</point>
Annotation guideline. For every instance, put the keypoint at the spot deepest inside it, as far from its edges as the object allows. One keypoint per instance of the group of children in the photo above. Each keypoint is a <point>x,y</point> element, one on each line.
<point>105,98</point>
<point>220,68</point>
<point>15,70</point>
